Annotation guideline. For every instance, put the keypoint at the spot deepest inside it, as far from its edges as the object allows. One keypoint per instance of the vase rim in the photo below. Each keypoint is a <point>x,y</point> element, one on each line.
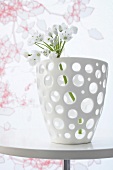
<point>79,58</point>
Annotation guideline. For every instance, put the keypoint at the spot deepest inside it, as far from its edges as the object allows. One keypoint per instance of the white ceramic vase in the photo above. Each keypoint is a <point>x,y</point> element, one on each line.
<point>71,93</point>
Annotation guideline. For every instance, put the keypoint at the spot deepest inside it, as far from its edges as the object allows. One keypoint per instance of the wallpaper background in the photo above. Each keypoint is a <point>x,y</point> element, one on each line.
<point>19,103</point>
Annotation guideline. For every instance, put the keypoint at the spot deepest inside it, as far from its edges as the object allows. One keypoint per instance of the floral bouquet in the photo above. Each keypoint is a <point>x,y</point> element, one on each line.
<point>51,43</point>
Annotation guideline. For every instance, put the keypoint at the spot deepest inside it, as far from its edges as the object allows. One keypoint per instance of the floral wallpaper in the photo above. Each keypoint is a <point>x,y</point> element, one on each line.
<point>19,103</point>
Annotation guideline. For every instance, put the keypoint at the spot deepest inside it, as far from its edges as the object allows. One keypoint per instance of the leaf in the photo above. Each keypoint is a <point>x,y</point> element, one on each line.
<point>42,25</point>
<point>86,12</point>
<point>94,33</point>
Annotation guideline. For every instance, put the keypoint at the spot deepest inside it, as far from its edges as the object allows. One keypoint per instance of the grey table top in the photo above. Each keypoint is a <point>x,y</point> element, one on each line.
<point>24,144</point>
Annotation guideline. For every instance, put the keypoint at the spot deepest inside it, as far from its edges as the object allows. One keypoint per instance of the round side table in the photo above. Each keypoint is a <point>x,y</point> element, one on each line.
<point>24,146</point>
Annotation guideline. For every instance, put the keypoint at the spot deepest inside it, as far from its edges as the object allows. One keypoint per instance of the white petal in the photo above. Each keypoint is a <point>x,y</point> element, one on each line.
<point>32,62</point>
<point>55,29</point>
<point>74,30</point>
<point>94,33</point>
<point>53,55</point>
<point>64,26</point>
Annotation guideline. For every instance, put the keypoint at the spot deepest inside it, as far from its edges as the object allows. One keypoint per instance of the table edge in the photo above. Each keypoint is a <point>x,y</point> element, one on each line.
<point>57,154</point>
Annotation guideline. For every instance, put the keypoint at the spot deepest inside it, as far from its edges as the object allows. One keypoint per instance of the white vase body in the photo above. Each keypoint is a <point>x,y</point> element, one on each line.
<point>72,92</point>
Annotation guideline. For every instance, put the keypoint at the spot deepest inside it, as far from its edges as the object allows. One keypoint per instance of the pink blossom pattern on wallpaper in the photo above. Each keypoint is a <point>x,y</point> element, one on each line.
<point>11,10</point>
<point>18,19</point>
<point>79,9</point>
<point>33,163</point>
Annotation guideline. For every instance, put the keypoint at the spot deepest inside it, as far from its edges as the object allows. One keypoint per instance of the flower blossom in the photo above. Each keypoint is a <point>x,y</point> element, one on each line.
<point>53,55</point>
<point>51,43</point>
<point>46,52</point>
<point>66,35</point>
<point>34,58</point>
<point>36,37</point>
<point>55,29</point>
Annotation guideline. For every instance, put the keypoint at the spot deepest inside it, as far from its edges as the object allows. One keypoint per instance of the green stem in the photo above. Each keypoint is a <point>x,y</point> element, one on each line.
<point>48,46</point>
<point>44,46</point>
<point>80,130</point>
<point>65,81</point>
<point>61,49</point>
<point>72,96</point>
<point>80,121</point>
<point>39,46</point>
<point>60,65</point>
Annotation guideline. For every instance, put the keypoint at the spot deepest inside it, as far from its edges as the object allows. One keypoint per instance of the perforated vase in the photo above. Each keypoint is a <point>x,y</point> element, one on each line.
<point>71,93</point>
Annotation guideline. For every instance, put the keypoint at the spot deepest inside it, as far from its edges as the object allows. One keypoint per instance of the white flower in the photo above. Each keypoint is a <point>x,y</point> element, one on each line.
<point>40,37</point>
<point>35,34</point>
<point>53,55</point>
<point>52,42</point>
<point>63,27</point>
<point>31,41</point>
<point>66,35</point>
<point>55,41</point>
<point>55,29</point>
<point>36,37</point>
<point>46,52</point>
<point>37,53</point>
<point>74,30</point>
<point>49,32</point>
<point>48,39</point>
<point>33,60</point>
